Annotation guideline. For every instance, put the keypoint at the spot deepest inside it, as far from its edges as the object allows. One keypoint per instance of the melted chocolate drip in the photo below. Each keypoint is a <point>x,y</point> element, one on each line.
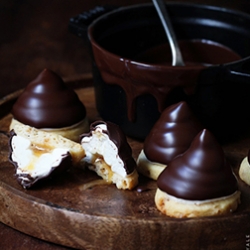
<point>172,134</point>
<point>201,173</point>
<point>145,75</point>
<point>48,103</point>
<point>117,136</point>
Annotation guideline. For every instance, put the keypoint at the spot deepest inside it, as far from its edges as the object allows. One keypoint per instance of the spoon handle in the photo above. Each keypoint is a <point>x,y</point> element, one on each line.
<point>176,53</point>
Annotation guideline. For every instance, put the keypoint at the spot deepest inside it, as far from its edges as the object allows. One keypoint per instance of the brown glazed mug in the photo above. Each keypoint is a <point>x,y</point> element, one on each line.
<point>132,91</point>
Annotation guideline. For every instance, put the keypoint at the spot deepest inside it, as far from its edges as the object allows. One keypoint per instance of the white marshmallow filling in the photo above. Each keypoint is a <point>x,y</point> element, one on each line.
<point>33,160</point>
<point>100,146</point>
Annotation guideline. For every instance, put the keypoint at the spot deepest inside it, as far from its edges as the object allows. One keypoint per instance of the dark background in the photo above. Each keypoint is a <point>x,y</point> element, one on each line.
<point>34,35</point>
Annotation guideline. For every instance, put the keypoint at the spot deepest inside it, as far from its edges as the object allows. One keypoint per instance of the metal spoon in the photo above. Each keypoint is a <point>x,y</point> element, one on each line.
<point>165,20</point>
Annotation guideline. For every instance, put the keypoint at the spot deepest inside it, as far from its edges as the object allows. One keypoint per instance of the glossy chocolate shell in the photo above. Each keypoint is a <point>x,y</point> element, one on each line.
<point>47,102</point>
<point>201,173</point>
<point>172,134</point>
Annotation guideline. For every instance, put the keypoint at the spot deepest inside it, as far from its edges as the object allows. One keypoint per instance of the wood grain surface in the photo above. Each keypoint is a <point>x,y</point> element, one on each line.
<point>75,210</point>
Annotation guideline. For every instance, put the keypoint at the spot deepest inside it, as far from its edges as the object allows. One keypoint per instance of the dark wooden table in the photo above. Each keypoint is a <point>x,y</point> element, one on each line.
<point>34,36</point>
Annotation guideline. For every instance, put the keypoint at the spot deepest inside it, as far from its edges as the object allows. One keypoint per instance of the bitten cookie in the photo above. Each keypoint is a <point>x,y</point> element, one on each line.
<point>109,154</point>
<point>36,154</point>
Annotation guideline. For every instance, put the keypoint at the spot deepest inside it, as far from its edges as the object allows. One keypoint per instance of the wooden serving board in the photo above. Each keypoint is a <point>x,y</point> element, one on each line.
<point>72,211</point>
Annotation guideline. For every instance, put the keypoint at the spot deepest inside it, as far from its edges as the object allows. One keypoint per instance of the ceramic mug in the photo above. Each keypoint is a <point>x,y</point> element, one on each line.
<point>133,92</point>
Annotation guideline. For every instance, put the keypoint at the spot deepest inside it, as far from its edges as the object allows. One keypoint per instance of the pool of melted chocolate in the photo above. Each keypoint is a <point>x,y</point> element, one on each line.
<point>197,51</point>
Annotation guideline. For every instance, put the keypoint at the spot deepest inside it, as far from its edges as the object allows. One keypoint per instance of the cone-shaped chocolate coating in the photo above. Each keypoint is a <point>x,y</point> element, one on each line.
<point>201,173</point>
<point>47,102</point>
<point>172,134</point>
